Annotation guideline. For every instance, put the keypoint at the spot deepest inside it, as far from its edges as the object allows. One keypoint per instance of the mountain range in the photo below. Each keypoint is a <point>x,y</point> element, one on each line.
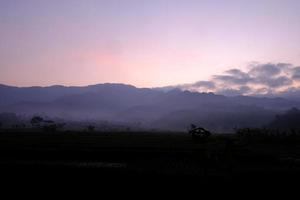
<point>152,108</point>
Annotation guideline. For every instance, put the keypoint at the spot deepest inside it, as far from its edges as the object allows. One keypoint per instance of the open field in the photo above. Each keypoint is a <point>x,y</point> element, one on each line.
<point>119,155</point>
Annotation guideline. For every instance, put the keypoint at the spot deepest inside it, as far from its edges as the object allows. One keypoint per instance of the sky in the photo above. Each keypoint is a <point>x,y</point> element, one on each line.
<point>146,43</point>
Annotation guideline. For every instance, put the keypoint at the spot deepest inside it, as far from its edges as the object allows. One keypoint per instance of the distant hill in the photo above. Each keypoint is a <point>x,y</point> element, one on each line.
<point>174,109</point>
<point>11,95</point>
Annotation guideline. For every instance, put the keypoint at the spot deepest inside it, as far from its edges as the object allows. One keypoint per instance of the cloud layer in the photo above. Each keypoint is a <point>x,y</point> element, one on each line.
<point>269,79</point>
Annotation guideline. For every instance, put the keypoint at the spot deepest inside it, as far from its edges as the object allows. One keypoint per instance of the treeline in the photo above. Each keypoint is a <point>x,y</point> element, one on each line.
<point>284,124</point>
<point>12,122</point>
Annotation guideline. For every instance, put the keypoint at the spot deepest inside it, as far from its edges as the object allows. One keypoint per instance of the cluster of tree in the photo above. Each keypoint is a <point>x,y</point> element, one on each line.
<point>287,121</point>
<point>250,132</point>
<point>267,135</point>
<point>10,120</point>
<point>90,128</point>
<point>286,124</point>
<point>14,122</point>
<point>46,125</point>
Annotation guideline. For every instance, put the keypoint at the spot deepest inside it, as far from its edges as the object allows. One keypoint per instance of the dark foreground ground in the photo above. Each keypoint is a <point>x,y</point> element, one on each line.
<point>119,157</point>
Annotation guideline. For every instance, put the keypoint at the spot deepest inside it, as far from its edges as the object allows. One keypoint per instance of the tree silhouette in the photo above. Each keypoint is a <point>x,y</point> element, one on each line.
<point>51,127</point>
<point>61,125</point>
<point>36,121</point>
<point>91,128</point>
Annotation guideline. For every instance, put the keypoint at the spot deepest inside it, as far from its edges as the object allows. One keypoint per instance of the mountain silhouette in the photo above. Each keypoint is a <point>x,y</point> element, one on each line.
<point>174,109</point>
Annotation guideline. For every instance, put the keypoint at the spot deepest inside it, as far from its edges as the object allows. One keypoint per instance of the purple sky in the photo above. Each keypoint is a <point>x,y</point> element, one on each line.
<point>146,43</point>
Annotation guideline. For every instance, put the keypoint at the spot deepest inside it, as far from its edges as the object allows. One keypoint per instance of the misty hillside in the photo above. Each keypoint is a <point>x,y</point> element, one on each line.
<point>173,110</point>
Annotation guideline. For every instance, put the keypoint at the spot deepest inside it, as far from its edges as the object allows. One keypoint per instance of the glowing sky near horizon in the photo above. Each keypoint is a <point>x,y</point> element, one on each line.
<point>146,43</point>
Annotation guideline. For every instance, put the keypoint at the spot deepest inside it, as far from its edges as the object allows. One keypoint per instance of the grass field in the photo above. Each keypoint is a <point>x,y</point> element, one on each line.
<point>161,155</point>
